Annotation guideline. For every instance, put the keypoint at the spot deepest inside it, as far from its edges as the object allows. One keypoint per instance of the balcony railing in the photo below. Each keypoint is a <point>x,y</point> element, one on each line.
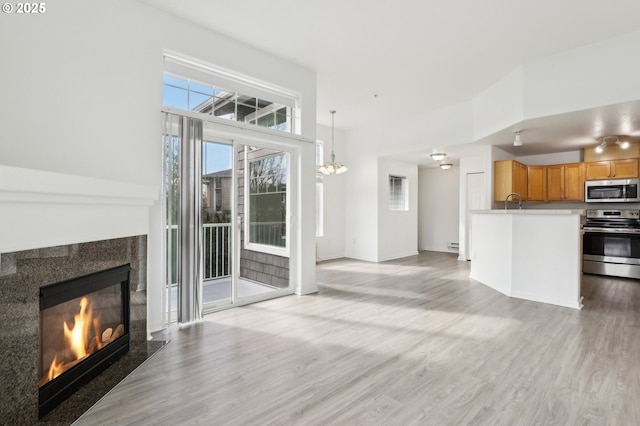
<point>216,239</point>
<point>217,250</point>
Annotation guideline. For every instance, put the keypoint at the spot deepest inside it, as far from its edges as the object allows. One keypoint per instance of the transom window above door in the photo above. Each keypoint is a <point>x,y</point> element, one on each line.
<point>194,87</point>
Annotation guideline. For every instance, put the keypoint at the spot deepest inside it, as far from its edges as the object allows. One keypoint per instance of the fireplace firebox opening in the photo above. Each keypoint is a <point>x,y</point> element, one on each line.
<point>84,328</point>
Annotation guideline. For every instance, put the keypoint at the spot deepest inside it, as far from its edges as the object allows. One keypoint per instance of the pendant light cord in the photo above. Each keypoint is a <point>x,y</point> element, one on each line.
<point>333,155</point>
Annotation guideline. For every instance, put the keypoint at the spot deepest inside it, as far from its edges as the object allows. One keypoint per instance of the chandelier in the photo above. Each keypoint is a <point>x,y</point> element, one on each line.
<point>332,167</point>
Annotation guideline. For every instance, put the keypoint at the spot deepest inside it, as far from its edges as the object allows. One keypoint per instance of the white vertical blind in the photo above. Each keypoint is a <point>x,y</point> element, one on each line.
<point>190,230</point>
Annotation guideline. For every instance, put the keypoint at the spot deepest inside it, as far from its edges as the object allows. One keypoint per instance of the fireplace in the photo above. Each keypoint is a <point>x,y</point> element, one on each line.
<point>84,328</point>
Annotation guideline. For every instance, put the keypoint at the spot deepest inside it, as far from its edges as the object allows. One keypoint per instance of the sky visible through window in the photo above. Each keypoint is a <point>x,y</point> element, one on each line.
<point>178,93</point>
<point>216,157</point>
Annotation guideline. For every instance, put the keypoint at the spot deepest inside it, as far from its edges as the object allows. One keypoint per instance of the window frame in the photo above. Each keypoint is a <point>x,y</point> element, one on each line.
<point>265,248</point>
<point>319,154</point>
<point>319,206</point>
<point>403,204</point>
<point>319,189</point>
<point>235,85</point>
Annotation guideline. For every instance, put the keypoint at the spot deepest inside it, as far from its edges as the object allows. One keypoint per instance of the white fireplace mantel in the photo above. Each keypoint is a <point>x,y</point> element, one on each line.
<point>28,185</point>
<point>43,209</point>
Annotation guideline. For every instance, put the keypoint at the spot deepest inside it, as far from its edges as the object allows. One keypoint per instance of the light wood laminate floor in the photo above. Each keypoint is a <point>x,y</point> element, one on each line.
<point>411,341</point>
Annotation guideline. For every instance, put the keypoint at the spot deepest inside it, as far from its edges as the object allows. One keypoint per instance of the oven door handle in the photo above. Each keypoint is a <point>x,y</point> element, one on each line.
<point>586,230</point>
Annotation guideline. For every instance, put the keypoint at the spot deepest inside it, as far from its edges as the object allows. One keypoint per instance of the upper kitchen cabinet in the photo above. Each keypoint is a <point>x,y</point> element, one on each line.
<point>613,162</point>
<point>509,176</point>
<point>612,169</point>
<point>536,183</point>
<point>565,182</point>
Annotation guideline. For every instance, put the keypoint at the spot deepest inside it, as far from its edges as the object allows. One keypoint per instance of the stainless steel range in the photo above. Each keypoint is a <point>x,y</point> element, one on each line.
<point>611,243</point>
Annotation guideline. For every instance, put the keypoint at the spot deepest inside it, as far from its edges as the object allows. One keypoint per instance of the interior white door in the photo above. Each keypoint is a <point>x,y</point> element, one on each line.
<point>475,201</point>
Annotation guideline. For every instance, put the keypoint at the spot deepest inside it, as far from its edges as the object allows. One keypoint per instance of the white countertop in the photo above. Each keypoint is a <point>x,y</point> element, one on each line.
<point>531,211</point>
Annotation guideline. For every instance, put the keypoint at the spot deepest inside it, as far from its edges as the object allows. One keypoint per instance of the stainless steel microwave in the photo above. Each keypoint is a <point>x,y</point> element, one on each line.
<point>612,191</point>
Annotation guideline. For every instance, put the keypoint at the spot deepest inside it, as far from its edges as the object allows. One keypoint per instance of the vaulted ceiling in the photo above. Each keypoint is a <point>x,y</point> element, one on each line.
<point>383,59</point>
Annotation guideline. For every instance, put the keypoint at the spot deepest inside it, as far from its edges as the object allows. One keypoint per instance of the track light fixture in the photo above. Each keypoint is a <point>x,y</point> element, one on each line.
<point>604,142</point>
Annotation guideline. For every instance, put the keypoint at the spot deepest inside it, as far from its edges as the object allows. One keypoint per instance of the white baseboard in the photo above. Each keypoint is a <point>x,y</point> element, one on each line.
<point>398,256</point>
<point>552,301</point>
<point>331,257</point>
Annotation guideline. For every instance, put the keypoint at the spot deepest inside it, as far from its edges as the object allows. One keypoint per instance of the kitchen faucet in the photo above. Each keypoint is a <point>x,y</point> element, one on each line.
<point>506,200</point>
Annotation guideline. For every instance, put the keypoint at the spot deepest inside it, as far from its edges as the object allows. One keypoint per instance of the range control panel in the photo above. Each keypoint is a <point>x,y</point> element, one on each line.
<point>614,214</point>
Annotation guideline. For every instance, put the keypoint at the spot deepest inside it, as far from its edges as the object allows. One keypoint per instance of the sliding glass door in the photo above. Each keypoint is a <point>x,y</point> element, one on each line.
<point>217,212</point>
<point>227,223</point>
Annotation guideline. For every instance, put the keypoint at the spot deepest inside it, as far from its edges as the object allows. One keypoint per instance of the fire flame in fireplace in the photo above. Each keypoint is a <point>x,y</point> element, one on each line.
<point>80,340</point>
<point>77,336</point>
<point>56,369</point>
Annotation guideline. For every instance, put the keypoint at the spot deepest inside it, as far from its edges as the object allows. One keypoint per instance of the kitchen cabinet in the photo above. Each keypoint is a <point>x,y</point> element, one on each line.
<point>509,176</point>
<point>612,169</point>
<point>565,182</point>
<point>536,183</point>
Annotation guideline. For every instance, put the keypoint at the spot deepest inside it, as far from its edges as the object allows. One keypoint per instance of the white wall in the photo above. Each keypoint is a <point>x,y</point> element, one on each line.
<point>77,92</point>
<point>331,244</point>
<point>397,230</point>
<point>439,204</point>
<point>365,233</point>
<point>499,106</point>
<point>603,73</point>
<point>361,205</point>
<point>81,94</point>
<point>598,74</point>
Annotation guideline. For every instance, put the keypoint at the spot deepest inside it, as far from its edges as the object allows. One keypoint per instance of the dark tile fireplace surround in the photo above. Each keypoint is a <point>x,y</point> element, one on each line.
<point>21,276</point>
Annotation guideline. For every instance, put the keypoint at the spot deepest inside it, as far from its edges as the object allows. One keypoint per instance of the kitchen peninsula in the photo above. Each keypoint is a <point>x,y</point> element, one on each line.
<point>528,254</point>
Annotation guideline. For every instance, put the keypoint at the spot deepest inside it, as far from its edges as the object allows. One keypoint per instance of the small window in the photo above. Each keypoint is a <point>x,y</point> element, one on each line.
<point>398,193</point>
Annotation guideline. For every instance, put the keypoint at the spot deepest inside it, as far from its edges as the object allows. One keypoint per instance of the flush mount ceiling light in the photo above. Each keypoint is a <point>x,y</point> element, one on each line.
<point>332,167</point>
<point>446,166</point>
<point>438,156</point>
<point>518,140</point>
